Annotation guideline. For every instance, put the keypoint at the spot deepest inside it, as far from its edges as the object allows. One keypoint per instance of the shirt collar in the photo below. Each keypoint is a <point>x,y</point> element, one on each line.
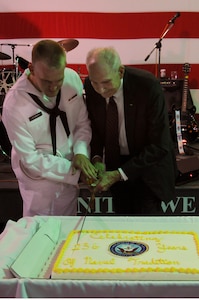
<point>119,91</point>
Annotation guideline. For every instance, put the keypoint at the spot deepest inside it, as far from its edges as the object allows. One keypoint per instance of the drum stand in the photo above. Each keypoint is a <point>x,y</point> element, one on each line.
<point>4,157</point>
<point>13,46</point>
<point>7,80</point>
<point>5,145</point>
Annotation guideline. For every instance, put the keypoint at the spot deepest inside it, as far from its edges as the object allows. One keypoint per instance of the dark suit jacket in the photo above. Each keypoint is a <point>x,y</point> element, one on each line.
<point>147,129</point>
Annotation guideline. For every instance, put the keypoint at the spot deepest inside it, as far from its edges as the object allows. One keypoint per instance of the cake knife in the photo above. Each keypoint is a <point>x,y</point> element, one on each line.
<point>91,206</point>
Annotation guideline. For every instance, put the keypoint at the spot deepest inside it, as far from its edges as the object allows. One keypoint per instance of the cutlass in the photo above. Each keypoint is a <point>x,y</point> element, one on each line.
<point>91,206</point>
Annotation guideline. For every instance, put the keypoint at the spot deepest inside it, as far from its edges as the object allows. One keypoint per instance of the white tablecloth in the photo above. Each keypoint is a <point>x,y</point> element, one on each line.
<point>17,234</point>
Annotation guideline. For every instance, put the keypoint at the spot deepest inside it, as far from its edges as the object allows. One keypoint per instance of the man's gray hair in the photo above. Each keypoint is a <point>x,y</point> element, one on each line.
<point>106,55</point>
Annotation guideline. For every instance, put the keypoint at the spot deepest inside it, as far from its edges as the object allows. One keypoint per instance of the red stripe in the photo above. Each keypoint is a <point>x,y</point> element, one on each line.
<point>96,25</point>
<point>193,78</point>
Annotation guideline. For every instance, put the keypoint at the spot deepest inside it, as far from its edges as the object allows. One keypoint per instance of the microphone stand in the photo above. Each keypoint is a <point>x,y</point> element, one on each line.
<point>158,45</point>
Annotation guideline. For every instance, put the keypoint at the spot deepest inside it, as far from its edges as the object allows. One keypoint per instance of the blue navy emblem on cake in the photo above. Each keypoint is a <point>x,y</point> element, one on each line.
<point>128,248</point>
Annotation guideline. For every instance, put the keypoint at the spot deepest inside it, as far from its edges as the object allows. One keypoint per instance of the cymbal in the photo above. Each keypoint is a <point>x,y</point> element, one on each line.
<point>69,44</point>
<point>4,56</point>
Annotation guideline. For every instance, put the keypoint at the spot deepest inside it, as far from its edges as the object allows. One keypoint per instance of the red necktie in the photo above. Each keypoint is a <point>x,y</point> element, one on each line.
<point>112,149</point>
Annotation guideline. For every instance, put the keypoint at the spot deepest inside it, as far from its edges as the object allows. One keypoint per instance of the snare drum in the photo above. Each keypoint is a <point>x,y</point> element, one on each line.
<point>7,79</point>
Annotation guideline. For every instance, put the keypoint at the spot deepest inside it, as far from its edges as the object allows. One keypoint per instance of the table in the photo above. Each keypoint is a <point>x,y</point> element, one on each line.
<point>16,234</point>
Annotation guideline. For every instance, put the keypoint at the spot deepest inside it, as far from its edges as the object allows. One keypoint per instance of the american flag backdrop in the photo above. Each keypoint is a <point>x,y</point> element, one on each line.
<point>133,27</point>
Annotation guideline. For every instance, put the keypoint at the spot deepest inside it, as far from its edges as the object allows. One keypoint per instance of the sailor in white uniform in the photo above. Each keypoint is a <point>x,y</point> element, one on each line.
<point>48,181</point>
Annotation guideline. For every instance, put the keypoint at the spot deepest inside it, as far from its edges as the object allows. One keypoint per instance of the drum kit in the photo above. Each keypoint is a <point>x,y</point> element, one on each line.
<point>9,76</point>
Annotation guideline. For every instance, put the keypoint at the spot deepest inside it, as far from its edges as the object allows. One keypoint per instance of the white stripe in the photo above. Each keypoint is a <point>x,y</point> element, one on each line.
<point>100,6</point>
<point>173,51</point>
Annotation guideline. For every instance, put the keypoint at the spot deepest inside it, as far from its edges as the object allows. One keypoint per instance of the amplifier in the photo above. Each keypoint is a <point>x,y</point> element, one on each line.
<point>173,91</point>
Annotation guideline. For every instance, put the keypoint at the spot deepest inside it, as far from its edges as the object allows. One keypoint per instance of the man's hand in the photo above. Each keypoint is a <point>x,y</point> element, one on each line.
<point>107,180</point>
<point>100,167</point>
<point>82,163</point>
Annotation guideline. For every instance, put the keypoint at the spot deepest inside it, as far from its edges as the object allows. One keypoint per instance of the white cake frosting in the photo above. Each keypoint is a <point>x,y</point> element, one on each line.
<point>128,255</point>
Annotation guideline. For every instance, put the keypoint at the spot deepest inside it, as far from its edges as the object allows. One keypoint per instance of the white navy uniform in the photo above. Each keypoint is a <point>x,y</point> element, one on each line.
<point>46,182</point>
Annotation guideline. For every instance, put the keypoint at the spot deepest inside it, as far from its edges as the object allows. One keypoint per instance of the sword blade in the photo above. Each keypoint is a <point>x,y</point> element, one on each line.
<point>90,205</point>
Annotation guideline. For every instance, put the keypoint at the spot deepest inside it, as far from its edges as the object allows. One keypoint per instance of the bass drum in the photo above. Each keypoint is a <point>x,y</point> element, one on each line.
<point>5,145</point>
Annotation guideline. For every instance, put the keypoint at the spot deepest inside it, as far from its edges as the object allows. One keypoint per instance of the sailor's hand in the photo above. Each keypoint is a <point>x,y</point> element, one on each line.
<point>82,163</point>
<point>101,168</point>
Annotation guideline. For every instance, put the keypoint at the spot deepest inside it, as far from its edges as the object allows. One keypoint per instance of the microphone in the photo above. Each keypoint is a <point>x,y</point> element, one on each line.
<point>174,17</point>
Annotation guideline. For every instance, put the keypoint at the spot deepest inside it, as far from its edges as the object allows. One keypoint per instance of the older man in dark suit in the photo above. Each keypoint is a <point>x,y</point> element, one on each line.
<point>143,175</point>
